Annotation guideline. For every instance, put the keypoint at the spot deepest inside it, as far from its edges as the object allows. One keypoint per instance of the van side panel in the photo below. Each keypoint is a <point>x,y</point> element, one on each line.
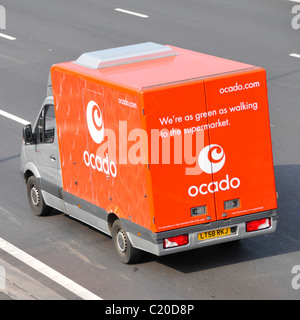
<point>127,157</point>
<point>102,146</point>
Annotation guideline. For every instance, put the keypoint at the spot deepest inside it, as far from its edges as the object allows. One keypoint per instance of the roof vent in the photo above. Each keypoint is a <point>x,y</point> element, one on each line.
<point>124,55</point>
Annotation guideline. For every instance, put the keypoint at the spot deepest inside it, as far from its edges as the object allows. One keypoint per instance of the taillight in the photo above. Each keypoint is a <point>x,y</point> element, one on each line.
<point>258,224</point>
<point>176,241</point>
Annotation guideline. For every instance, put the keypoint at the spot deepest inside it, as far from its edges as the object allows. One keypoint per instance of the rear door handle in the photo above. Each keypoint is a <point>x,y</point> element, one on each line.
<point>52,157</point>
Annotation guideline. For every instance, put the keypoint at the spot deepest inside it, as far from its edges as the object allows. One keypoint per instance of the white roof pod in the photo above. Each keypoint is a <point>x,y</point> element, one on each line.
<point>124,55</point>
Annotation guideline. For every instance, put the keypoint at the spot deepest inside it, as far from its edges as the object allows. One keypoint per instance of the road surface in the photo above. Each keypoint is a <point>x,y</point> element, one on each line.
<point>41,33</point>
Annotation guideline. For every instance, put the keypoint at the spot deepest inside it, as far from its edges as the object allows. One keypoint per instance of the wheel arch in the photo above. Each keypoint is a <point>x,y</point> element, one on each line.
<point>31,170</point>
<point>112,217</point>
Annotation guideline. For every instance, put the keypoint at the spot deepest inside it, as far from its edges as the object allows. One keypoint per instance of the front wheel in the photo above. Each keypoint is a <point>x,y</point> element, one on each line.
<point>126,252</point>
<point>35,198</point>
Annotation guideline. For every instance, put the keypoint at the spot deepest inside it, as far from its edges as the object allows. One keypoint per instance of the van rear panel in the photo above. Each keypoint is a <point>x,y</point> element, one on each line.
<point>214,159</point>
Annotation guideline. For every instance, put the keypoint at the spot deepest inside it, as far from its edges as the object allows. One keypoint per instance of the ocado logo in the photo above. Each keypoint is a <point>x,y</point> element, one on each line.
<point>94,120</point>
<point>211,158</point>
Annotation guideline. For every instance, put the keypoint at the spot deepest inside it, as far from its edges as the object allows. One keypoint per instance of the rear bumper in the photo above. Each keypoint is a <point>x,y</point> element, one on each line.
<point>154,244</point>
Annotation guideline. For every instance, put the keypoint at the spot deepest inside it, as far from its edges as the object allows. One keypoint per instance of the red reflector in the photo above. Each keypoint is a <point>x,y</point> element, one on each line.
<point>258,224</point>
<point>176,241</point>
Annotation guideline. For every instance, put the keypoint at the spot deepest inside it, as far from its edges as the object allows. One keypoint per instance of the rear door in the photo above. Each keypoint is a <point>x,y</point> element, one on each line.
<point>176,120</point>
<point>240,141</point>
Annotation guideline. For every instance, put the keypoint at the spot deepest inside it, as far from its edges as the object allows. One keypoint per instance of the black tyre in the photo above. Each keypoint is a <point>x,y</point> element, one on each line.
<point>126,252</point>
<point>35,198</point>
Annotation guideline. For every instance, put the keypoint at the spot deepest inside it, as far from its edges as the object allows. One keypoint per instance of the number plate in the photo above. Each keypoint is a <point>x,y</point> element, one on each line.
<point>214,234</point>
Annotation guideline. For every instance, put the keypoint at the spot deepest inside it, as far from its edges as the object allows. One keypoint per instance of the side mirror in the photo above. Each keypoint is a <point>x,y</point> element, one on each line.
<point>27,134</point>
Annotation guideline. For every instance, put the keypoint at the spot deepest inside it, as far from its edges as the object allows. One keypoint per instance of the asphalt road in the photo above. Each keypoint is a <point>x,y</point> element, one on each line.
<point>255,32</point>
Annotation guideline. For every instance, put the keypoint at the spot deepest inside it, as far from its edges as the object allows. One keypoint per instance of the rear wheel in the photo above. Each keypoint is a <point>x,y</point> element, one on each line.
<point>126,252</point>
<point>35,198</point>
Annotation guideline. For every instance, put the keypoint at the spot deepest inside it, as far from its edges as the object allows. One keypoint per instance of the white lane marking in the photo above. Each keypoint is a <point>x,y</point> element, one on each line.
<point>298,1</point>
<point>4,56</point>
<point>141,15</point>
<point>5,36</point>
<point>47,271</point>
<point>14,118</point>
<point>295,55</point>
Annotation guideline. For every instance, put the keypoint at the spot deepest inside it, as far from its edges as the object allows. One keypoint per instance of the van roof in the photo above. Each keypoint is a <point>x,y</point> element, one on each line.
<point>149,64</point>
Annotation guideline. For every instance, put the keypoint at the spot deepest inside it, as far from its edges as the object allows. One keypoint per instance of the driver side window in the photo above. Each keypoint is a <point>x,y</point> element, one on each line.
<point>45,130</point>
